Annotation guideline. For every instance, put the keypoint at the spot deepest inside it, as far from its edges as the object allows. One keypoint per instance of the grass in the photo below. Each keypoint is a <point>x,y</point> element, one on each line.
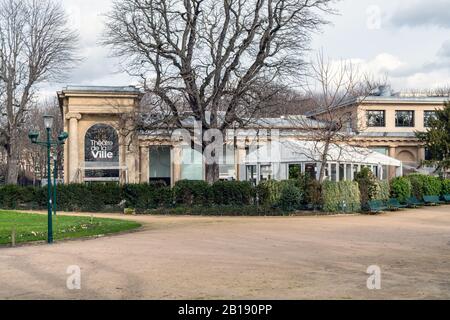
<point>33,227</point>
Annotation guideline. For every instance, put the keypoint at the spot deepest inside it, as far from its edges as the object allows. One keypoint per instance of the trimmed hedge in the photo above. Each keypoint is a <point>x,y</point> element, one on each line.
<point>445,186</point>
<point>269,192</point>
<point>192,192</point>
<point>401,188</point>
<point>233,193</point>
<point>342,196</point>
<point>424,185</point>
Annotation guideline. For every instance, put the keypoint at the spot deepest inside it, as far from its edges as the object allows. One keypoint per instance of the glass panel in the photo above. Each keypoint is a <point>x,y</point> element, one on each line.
<point>349,172</point>
<point>355,170</point>
<point>382,150</point>
<point>428,116</point>
<point>385,172</point>
<point>310,168</point>
<point>341,172</point>
<point>251,174</point>
<point>192,165</point>
<point>376,118</point>
<point>404,118</point>
<point>376,171</point>
<point>227,167</point>
<point>266,173</point>
<point>333,172</point>
<point>160,161</point>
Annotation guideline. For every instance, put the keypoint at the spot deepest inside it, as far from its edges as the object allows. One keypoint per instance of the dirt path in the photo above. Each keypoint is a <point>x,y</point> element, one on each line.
<point>244,258</point>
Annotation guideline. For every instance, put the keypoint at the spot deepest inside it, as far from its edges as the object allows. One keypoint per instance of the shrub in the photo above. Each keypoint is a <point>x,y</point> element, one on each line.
<point>445,186</point>
<point>147,196</point>
<point>269,192</point>
<point>368,186</point>
<point>313,194</point>
<point>16,197</point>
<point>401,188</point>
<point>432,186</point>
<point>424,185</point>
<point>192,192</point>
<point>253,210</point>
<point>417,185</point>
<point>290,198</point>
<point>384,190</point>
<point>233,193</point>
<point>342,196</point>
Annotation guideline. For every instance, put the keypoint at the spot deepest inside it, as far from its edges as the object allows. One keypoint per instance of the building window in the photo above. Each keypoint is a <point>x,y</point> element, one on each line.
<point>376,118</point>
<point>310,170</point>
<point>251,174</point>
<point>266,172</point>
<point>404,118</point>
<point>427,117</point>
<point>382,150</point>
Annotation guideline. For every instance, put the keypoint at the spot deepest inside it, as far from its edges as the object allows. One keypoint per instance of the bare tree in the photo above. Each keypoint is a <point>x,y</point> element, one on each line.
<point>35,46</point>
<point>208,59</point>
<point>333,88</point>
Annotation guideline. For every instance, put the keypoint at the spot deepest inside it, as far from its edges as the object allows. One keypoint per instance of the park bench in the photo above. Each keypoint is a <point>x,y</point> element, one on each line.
<point>413,202</point>
<point>432,200</point>
<point>446,198</point>
<point>394,204</point>
<point>377,206</point>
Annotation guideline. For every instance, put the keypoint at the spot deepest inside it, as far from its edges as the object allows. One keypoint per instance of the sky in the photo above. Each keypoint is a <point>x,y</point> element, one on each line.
<point>407,40</point>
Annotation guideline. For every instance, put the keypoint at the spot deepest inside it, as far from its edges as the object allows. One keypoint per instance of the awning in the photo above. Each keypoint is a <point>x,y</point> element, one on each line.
<point>305,151</point>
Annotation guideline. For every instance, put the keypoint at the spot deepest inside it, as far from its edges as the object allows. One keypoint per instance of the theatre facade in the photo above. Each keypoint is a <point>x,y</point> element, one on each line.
<point>102,148</point>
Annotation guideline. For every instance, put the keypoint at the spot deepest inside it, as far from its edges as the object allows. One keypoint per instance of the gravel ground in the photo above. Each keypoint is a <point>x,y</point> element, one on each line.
<point>244,258</point>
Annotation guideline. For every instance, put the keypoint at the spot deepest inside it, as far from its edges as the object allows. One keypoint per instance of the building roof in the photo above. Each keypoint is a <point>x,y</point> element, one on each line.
<point>106,89</point>
<point>384,95</point>
<point>304,151</point>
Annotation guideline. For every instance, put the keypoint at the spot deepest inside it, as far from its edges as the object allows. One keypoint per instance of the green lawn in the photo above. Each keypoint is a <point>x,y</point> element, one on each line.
<point>33,227</point>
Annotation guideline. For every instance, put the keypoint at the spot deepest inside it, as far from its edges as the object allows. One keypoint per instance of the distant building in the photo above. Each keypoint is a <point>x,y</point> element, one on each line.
<point>387,122</point>
<point>100,147</point>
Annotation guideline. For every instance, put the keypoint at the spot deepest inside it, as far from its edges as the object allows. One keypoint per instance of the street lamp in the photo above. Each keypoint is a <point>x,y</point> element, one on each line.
<point>55,180</point>
<point>34,137</point>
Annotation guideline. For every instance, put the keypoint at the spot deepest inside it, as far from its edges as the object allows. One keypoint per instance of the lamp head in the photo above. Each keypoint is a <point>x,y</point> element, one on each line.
<point>63,137</point>
<point>48,121</point>
<point>34,136</point>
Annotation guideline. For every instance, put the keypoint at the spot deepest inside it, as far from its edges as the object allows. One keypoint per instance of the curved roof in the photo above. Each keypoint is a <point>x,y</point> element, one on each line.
<point>304,151</point>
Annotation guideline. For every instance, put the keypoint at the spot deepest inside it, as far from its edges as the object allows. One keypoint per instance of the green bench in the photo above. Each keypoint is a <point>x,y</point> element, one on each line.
<point>377,206</point>
<point>446,197</point>
<point>413,202</point>
<point>432,200</point>
<point>394,204</point>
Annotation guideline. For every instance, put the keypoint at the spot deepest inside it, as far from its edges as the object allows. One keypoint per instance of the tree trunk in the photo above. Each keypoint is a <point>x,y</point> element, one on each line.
<point>324,162</point>
<point>212,172</point>
<point>13,161</point>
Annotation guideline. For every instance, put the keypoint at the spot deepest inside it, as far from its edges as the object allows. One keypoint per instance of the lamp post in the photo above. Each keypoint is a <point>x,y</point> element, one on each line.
<point>55,180</point>
<point>34,136</point>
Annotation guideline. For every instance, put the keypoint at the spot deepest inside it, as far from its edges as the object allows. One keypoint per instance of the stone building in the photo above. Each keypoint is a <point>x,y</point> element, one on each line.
<point>102,148</point>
